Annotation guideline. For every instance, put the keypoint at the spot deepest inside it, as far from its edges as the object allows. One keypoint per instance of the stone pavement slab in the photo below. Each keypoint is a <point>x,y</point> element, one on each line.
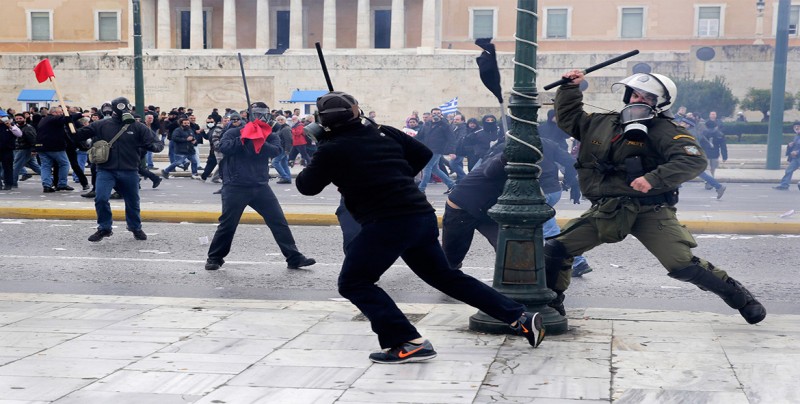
<point>127,349</point>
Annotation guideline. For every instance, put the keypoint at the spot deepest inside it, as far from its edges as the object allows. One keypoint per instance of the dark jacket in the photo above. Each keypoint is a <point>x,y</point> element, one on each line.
<point>479,190</point>
<point>285,134</point>
<point>476,141</point>
<point>555,156</point>
<point>715,144</point>
<point>125,152</point>
<point>50,133</point>
<point>180,141</point>
<point>374,171</point>
<point>28,138</point>
<point>459,133</point>
<point>436,135</point>
<point>243,166</point>
<point>8,139</point>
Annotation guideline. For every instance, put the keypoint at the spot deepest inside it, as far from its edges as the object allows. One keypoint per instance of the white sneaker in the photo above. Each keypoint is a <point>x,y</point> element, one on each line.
<point>195,177</point>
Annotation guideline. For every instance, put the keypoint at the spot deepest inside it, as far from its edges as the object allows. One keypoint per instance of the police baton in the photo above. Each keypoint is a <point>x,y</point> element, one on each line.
<point>246,92</point>
<point>593,68</point>
<point>324,66</point>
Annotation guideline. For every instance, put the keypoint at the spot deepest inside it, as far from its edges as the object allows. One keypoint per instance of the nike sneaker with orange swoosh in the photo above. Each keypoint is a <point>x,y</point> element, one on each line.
<point>530,325</point>
<point>403,353</point>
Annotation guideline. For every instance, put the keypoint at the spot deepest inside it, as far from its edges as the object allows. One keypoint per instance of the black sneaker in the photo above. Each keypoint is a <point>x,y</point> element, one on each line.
<point>781,188</point>
<point>156,182</point>
<point>115,195</point>
<point>64,188</point>
<point>139,234</point>
<point>89,194</point>
<point>283,181</point>
<point>449,190</point>
<point>100,234</point>
<point>530,326</point>
<point>25,177</point>
<point>165,174</point>
<point>48,190</point>
<point>303,263</point>
<point>558,304</point>
<point>213,264</point>
<point>403,353</point>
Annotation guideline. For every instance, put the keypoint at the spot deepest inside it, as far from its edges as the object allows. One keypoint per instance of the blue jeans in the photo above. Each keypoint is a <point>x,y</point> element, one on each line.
<point>126,182</point>
<point>149,157</point>
<point>433,167</point>
<point>82,157</point>
<point>550,227</point>
<point>457,165</point>
<point>180,159</point>
<point>49,158</point>
<point>22,157</point>
<point>705,176</point>
<point>790,169</point>
<point>415,239</point>
<point>281,165</point>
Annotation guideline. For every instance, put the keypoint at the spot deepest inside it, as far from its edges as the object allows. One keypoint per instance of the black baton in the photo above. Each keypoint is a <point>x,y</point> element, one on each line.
<point>593,68</point>
<point>246,93</point>
<point>324,66</point>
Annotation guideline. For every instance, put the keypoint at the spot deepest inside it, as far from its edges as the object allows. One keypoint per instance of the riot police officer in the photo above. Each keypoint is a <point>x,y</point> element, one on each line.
<point>630,166</point>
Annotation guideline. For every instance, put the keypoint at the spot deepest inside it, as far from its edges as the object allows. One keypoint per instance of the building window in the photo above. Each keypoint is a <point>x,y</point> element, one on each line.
<point>709,21</point>
<point>794,20</point>
<point>482,23</point>
<point>556,23</point>
<point>107,25</point>
<point>631,22</point>
<point>40,28</point>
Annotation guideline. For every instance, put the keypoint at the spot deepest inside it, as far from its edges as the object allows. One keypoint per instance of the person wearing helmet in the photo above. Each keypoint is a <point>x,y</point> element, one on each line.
<point>630,166</point>
<point>373,168</point>
<point>245,182</point>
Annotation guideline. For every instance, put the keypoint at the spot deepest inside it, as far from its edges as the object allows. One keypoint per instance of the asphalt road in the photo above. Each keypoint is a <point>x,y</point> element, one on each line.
<point>54,257</point>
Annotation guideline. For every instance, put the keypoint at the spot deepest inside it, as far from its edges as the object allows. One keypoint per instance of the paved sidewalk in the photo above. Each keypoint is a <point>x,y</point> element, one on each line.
<point>117,349</point>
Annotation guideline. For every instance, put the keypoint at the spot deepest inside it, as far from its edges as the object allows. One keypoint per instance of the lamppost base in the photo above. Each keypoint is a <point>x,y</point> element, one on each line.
<point>554,323</point>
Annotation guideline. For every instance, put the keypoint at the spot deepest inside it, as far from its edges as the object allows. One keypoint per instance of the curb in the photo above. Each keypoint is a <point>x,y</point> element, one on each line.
<point>316,219</point>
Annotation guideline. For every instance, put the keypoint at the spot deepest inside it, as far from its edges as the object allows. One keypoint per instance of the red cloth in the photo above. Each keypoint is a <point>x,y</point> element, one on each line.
<point>298,137</point>
<point>43,70</point>
<point>257,131</point>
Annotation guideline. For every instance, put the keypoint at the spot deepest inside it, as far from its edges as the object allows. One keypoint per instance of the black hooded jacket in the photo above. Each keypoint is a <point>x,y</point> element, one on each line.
<point>125,152</point>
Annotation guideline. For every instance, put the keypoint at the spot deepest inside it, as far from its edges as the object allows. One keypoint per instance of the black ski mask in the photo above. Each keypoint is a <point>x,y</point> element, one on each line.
<point>490,124</point>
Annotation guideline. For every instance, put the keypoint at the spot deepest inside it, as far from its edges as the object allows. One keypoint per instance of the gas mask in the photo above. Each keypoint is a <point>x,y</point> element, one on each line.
<point>122,109</point>
<point>106,110</point>
<point>635,119</point>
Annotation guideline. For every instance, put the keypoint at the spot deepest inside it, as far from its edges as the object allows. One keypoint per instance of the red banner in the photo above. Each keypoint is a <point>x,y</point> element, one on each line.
<point>43,71</point>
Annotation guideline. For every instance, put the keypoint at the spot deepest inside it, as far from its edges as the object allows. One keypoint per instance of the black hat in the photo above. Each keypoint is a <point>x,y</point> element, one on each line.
<point>336,109</point>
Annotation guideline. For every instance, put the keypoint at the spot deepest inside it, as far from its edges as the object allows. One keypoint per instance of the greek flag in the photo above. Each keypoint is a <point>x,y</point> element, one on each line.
<point>449,106</point>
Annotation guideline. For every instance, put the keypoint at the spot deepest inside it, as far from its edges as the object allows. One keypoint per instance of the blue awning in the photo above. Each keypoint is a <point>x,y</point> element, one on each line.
<point>37,95</point>
<point>306,96</point>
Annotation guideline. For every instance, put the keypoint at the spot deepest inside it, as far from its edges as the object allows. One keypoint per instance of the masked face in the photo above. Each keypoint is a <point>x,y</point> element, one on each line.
<point>490,125</point>
<point>635,118</point>
<point>436,116</point>
<point>261,114</point>
<point>210,124</point>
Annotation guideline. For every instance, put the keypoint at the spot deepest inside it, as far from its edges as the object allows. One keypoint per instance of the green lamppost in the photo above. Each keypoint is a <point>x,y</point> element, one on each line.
<point>138,70</point>
<point>521,209</point>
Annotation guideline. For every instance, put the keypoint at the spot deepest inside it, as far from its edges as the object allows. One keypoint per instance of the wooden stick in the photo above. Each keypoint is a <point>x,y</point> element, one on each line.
<point>61,102</point>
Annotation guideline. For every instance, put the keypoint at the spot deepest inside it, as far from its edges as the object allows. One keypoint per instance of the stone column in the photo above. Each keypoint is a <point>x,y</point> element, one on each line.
<point>229,24</point>
<point>296,24</point>
<point>362,25</point>
<point>329,24</point>
<point>398,40</point>
<point>428,23</point>
<point>130,24</point>
<point>262,24</point>
<point>196,23</point>
<point>148,15</point>
<point>164,29</point>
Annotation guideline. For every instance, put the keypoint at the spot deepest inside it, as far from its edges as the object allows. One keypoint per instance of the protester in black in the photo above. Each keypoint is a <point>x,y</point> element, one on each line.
<point>245,178</point>
<point>374,168</point>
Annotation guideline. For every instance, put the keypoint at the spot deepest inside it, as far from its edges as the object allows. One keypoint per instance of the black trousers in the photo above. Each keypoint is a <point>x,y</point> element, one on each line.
<point>458,229</point>
<point>7,162</point>
<point>415,239</point>
<point>235,199</point>
<point>211,163</point>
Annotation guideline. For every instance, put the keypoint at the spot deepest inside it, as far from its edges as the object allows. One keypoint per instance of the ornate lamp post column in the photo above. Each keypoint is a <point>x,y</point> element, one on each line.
<point>521,209</point>
<point>759,22</point>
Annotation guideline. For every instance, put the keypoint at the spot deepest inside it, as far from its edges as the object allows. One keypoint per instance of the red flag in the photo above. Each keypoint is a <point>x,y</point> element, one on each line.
<point>44,71</point>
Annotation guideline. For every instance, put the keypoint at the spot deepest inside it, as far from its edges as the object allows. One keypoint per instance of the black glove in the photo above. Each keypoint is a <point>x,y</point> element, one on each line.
<point>575,195</point>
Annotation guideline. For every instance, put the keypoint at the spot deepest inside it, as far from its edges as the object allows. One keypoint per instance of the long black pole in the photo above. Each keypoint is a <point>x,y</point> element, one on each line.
<point>593,68</point>
<point>324,66</point>
<point>246,92</point>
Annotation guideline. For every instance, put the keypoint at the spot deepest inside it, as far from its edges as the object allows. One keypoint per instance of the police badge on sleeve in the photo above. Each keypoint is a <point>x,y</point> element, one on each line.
<point>692,150</point>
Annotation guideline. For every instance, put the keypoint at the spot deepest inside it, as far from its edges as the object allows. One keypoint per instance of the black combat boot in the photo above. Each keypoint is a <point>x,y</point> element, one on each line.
<point>558,304</point>
<point>731,291</point>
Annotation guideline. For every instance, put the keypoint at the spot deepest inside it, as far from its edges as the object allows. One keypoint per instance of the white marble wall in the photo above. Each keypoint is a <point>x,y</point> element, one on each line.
<point>393,83</point>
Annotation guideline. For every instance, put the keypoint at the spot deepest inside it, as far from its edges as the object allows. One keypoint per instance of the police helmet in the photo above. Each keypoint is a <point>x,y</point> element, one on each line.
<point>662,87</point>
<point>337,108</point>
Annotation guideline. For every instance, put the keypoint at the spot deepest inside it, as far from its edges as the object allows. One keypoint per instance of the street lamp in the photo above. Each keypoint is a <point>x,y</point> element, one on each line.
<point>521,209</point>
<point>760,5</point>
